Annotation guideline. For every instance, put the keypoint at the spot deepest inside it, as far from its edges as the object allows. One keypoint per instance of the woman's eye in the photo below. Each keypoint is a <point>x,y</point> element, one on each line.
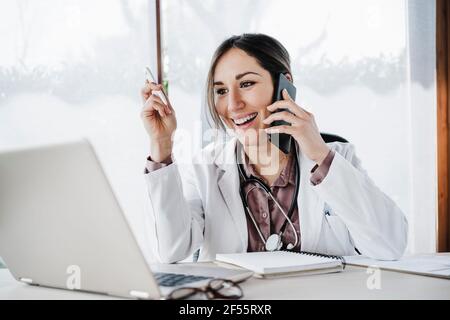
<point>247,84</point>
<point>220,91</point>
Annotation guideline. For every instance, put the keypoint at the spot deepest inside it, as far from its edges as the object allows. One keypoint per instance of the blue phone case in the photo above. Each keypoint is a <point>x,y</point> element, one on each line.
<point>282,141</point>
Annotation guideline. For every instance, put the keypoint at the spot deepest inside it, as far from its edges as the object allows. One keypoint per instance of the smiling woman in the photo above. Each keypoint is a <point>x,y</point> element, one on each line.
<point>364,68</point>
<point>332,206</point>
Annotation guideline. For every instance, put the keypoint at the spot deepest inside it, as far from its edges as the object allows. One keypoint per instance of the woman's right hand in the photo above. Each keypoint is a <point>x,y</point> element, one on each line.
<point>159,121</point>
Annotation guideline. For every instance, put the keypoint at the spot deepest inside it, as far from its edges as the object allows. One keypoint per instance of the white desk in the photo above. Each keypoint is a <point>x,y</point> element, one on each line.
<point>349,284</point>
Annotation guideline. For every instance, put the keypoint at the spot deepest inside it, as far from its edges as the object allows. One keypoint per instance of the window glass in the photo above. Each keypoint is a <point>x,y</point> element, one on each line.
<point>74,68</point>
<point>352,66</point>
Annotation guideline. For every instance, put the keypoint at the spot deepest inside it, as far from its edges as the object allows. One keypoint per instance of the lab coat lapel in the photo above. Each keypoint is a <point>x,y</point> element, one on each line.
<point>308,206</point>
<point>228,182</point>
<point>309,203</point>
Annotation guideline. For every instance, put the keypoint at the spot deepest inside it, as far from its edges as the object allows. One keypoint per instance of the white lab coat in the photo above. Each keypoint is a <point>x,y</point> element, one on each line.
<point>200,207</point>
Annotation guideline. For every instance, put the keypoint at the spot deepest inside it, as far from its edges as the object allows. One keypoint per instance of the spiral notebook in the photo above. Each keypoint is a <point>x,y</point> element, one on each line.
<point>283,263</point>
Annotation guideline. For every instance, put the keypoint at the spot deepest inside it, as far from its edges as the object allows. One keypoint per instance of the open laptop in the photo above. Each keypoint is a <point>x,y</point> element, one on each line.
<point>61,226</point>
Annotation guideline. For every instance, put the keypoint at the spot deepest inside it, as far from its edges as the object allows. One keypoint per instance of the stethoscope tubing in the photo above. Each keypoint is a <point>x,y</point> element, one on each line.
<point>267,190</point>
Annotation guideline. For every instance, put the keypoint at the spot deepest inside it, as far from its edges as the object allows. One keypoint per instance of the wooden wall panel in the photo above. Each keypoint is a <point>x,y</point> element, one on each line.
<point>443,88</point>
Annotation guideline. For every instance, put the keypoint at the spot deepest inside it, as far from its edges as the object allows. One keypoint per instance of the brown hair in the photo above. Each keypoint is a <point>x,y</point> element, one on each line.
<point>268,52</point>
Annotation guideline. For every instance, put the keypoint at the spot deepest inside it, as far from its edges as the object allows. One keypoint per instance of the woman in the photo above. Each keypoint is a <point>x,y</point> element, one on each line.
<point>336,208</point>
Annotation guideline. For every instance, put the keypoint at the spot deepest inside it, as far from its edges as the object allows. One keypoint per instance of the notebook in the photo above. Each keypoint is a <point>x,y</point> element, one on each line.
<point>283,263</point>
<point>432,265</point>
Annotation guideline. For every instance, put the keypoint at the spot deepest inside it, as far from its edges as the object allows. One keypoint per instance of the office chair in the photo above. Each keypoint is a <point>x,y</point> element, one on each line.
<point>328,137</point>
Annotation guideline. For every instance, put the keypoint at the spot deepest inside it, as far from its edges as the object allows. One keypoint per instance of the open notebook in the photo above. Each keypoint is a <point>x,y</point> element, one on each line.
<point>283,263</point>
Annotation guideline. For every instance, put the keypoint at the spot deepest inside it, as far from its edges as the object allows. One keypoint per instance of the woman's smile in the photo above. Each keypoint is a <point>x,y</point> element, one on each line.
<point>245,121</point>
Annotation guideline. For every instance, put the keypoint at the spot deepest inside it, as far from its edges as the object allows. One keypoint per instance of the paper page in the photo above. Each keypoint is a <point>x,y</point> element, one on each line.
<point>426,264</point>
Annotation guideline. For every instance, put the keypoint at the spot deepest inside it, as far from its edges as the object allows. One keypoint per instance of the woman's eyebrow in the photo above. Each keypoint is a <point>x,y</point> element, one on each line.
<point>239,76</point>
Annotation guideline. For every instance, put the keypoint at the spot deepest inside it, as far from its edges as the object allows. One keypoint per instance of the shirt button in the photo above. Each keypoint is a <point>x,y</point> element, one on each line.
<point>264,215</point>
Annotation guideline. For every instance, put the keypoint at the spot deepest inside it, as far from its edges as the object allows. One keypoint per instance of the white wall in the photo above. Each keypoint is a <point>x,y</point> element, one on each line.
<point>422,91</point>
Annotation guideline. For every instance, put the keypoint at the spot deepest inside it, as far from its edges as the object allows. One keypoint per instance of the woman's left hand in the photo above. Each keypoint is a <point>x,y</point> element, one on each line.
<point>303,127</point>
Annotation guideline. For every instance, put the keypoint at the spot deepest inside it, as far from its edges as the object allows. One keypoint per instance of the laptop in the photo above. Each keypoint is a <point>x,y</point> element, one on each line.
<point>61,226</point>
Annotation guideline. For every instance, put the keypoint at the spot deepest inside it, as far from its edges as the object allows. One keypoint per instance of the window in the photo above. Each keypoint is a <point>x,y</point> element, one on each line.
<point>364,68</point>
<point>75,68</point>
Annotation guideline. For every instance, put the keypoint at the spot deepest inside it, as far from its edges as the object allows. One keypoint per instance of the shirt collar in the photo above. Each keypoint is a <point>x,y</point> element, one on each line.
<point>286,176</point>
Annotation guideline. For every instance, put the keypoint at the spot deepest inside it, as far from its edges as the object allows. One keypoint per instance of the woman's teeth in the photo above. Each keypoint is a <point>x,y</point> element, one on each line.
<point>248,118</point>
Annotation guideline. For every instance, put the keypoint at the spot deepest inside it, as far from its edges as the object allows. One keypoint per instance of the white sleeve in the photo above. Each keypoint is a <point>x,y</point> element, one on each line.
<point>376,224</point>
<point>177,211</point>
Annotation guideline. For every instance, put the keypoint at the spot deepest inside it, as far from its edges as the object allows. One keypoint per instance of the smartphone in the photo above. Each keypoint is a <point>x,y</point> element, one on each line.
<point>282,140</point>
<point>149,76</point>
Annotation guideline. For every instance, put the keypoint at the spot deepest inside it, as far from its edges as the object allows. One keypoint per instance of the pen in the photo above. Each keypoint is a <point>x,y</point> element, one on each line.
<point>151,78</point>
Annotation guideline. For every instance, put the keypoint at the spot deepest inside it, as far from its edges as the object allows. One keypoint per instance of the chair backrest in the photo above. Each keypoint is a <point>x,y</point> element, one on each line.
<point>328,137</point>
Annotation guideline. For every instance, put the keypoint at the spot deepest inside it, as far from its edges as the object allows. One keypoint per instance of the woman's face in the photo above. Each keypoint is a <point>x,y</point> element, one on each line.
<point>242,92</point>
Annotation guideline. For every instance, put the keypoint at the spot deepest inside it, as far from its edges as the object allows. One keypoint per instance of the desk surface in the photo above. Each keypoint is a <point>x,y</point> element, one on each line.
<point>349,284</point>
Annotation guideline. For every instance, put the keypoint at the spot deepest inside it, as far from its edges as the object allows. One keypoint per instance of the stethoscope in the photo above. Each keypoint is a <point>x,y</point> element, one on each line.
<point>273,242</point>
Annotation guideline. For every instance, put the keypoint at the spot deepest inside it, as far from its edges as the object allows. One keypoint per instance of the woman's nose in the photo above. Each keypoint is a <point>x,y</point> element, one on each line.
<point>234,101</point>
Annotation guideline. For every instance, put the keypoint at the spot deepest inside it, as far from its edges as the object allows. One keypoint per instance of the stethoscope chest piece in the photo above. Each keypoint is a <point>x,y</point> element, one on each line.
<point>273,243</point>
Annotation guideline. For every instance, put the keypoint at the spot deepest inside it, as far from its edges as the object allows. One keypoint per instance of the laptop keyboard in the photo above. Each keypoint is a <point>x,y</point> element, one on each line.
<point>175,279</point>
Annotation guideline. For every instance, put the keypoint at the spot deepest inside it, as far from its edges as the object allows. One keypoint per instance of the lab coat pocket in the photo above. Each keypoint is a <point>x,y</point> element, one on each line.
<point>338,235</point>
